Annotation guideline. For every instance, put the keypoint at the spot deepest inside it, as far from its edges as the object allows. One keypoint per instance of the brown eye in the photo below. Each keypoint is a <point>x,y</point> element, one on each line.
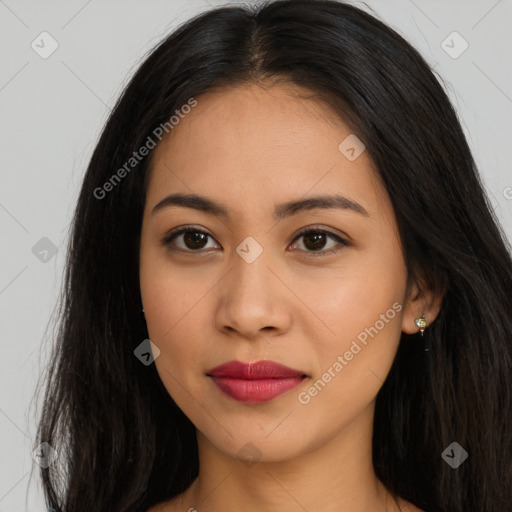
<point>194,239</point>
<point>315,240</point>
<point>187,239</point>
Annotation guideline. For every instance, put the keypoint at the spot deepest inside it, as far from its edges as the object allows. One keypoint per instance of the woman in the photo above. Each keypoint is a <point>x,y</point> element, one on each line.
<point>285,289</point>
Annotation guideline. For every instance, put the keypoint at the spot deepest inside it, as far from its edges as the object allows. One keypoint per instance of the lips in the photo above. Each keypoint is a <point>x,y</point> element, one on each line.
<point>256,382</point>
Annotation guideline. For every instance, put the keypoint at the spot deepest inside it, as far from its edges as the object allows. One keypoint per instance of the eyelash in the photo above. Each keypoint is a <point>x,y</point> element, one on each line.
<point>168,238</point>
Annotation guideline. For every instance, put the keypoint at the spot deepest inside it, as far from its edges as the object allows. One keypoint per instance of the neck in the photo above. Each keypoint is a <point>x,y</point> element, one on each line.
<point>335,477</point>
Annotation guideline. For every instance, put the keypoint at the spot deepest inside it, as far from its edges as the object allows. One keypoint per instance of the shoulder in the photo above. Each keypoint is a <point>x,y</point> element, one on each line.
<point>412,508</point>
<point>167,506</point>
<point>156,508</point>
<point>406,506</point>
<point>164,507</point>
<point>176,504</point>
<point>161,507</point>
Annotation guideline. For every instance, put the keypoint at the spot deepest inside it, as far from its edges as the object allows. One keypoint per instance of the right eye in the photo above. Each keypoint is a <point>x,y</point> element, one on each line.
<point>190,239</point>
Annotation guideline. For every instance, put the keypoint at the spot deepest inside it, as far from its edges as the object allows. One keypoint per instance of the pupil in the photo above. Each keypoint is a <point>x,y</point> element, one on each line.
<point>191,238</point>
<point>318,243</point>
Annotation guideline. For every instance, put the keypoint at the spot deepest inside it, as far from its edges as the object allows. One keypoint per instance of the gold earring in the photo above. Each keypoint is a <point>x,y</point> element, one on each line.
<point>421,322</point>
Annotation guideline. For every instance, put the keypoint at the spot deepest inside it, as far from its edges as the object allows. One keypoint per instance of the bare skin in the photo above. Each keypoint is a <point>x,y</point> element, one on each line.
<point>251,148</point>
<point>183,504</point>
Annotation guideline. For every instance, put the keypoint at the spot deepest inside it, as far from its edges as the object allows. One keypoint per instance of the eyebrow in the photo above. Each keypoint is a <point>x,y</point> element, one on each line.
<point>281,211</point>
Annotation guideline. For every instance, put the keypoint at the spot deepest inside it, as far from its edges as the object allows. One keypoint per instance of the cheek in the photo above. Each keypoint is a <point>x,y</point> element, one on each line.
<point>170,293</point>
<point>173,309</point>
<point>170,298</point>
<point>361,313</point>
<point>353,365</point>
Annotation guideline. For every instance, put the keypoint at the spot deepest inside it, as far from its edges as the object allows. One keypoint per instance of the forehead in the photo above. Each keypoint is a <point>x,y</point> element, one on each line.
<point>256,144</point>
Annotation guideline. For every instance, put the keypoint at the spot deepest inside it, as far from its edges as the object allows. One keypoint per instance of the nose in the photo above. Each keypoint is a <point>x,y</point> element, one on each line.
<point>253,300</point>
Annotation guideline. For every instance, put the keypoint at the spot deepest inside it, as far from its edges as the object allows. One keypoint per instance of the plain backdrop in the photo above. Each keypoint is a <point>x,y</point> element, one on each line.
<point>52,110</point>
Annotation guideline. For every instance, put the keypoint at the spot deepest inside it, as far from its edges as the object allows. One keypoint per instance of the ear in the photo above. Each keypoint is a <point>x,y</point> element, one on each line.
<point>421,301</point>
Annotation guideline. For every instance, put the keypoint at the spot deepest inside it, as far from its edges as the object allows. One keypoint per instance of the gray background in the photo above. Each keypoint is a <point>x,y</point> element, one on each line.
<point>52,111</point>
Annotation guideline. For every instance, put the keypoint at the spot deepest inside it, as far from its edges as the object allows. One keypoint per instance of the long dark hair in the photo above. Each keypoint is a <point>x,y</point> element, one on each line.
<point>122,442</point>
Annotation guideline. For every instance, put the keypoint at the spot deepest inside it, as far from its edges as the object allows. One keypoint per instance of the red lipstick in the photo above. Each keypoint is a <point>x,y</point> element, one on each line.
<point>256,382</point>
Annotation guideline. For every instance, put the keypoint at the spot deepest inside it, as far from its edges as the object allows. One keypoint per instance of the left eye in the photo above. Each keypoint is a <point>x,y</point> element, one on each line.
<point>314,240</point>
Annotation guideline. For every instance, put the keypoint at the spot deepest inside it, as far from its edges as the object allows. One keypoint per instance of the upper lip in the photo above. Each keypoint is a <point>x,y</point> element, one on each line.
<point>254,370</point>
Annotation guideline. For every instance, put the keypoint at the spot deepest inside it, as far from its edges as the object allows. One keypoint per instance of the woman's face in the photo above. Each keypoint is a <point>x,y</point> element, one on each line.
<point>252,288</point>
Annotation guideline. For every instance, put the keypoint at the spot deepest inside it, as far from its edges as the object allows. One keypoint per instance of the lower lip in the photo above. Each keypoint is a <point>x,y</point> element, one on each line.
<point>256,391</point>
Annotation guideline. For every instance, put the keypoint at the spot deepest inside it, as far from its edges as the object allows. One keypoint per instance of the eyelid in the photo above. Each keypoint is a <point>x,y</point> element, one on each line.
<point>317,229</point>
<point>175,232</point>
<point>169,237</point>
